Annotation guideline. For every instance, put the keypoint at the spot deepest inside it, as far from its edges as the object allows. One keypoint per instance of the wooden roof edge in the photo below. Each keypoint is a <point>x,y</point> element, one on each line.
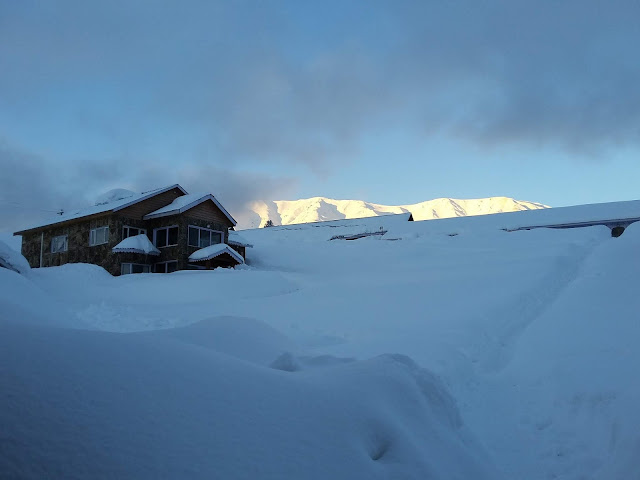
<point>63,223</point>
<point>145,196</point>
<point>189,206</point>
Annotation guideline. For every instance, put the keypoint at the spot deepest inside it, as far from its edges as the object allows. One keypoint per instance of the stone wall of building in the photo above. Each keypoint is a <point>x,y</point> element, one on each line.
<point>79,250</point>
<point>181,252</point>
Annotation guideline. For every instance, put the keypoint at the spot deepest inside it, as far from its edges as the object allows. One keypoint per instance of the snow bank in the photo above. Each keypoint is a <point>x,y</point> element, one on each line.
<point>281,370</point>
<point>126,304</point>
<point>244,338</point>
<point>161,408</point>
<point>572,385</point>
<point>14,242</point>
<point>13,260</point>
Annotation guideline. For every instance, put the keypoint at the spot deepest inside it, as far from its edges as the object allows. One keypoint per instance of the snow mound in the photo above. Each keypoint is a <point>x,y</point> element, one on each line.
<point>239,337</point>
<point>632,230</point>
<point>12,260</point>
<point>114,195</point>
<point>288,362</point>
<point>168,409</point>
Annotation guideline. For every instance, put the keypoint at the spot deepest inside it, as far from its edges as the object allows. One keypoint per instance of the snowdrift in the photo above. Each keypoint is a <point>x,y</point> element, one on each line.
<point>202,401</point>
<point>12,260</point>
<point>438,350</point>
<point>87,404</point>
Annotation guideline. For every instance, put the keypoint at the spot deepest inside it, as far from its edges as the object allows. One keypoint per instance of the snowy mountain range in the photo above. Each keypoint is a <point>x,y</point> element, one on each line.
<point>286,212</point>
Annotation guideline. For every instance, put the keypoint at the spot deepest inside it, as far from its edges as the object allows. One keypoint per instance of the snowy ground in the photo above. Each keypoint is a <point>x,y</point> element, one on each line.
<point>481,355</point>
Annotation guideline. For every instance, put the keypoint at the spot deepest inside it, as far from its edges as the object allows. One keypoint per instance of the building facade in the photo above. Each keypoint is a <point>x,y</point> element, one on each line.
<point>175,223</point>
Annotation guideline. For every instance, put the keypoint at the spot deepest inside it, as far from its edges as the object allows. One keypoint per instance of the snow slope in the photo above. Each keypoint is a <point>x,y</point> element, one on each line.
<point>416,354</point>
<point>11,259</point>
<point>201,402</point>
<point>287,212</point>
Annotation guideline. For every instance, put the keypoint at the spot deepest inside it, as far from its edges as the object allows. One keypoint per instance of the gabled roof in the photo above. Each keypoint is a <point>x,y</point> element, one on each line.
<point>113,206</point>
<point>212,251</point>
<point>187,202</point>
<point>136,244</point>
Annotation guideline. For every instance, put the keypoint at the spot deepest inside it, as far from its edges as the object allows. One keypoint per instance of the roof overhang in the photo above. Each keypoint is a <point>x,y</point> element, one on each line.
<point>150,194</point>
<point>239,244</point>
<point>213,251</point>
<point>189,206</point>
<point>136,244</point>
<point>106,211</point>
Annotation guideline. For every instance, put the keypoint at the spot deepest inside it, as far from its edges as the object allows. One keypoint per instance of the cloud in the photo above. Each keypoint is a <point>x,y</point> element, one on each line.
<point>235,190</point>
<point>32,188</point>
<point>29,189</point>
<point>560,73</point>
<point>296,83</point>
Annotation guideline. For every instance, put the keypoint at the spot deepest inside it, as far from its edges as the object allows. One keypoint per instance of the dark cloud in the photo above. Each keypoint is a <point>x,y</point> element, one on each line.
<point>293,82</point>
<point>30,190</point>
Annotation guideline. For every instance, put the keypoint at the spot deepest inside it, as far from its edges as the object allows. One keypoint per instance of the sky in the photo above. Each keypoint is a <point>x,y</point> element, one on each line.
<point>392,102</point>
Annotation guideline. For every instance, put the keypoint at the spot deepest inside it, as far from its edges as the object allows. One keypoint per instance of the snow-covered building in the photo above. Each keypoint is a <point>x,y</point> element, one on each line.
<point>128,232</point>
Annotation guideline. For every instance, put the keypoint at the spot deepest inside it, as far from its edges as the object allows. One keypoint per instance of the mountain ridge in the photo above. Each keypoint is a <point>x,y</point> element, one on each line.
<point>317,209</point>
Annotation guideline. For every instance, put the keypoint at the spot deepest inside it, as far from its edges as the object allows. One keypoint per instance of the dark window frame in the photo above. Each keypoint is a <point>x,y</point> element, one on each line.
<point>210,231</point>
<point>65,245</point>
<point>156,231</point>
<point>131,267</point>
<point>93,236</point>
<point>126,231</point>
<point>165,266</point>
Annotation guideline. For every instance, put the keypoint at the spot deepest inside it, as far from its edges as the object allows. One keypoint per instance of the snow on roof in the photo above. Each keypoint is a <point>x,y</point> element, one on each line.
<point>236,239</point>
<point>575,215</point>
<point>110,206</point>
<point>114,195</point>
<point>186,202</point>
<point>136,244</point>
<point>213,251</point>
<point>12,260</point>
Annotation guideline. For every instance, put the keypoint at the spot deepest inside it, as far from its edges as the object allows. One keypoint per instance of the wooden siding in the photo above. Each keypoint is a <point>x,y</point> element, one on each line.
<point>66,223</point>
<point>208,212</point>
<point>149,205</point>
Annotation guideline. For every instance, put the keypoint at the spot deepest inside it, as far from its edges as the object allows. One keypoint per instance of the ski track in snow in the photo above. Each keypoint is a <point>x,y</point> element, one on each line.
<point>530,305</point>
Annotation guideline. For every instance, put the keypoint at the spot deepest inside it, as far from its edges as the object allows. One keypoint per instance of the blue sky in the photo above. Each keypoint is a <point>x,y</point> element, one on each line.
<point>390,102</point>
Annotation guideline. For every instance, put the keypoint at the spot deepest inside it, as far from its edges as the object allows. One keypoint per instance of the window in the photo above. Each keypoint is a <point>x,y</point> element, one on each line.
<point>127,268</point>
<point>131,231</point>
<point>203,237</point>
<point>98,236</point>
<point>59,244</point>
<point>166,236</point>
<point>166,267</point>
